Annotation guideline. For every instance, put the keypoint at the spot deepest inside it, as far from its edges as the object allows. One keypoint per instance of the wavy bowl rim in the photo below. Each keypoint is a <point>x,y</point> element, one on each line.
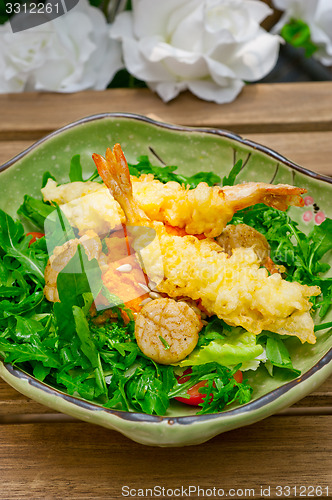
<point>252,406</point>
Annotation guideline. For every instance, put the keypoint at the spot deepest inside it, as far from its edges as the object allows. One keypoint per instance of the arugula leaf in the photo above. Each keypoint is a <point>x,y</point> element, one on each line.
<point>323,326</point>
<point>166,174</point>
<point>35,210</point>
<point>222,388</point>
<point>145,389</point>
<point>321,241</point>
<point>230,179</point>
<point>15,245</point>
<point>34,350</point>
<point>79,277</point>
<point>57,229</point>
<point>75,172</point>
<point>277,353</point>
<point>300,253</point>
<point>89,349</point>
<point>47,175</point>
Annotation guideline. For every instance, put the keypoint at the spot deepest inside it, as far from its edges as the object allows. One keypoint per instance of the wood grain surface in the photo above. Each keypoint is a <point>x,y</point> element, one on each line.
<point>263,108</point>
<point>46,455</point>
<point>81,461</point>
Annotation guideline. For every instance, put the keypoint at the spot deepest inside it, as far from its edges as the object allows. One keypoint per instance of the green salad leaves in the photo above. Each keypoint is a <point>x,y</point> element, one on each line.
<point>65,344</point>
<point>300,253</point>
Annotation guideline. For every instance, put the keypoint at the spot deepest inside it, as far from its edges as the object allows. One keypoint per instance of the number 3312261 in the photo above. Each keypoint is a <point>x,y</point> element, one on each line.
<point>32,8</point>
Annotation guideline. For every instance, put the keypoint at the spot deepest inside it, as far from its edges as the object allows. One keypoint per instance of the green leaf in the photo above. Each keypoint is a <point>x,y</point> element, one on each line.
<point>277,353</point>
<point>33,351</point>
<point>47,175</point>
<point>40,371</point>
<point>16,246</point>
<point>89,348</point>
<point>27,329</point>
<point>57,229</point>
<point>166,174</point>
<point>145,389</point>
<point>35,210</point>
<point>323,326</point>
<point>78,278</point>
<point>75,172</point>
<point>321,239</point>
<point>230,179</point>
<point>237,347</point>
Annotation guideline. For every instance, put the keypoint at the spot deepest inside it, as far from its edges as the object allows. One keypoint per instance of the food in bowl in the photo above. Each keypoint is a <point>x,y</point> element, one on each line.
<point>144,279</point>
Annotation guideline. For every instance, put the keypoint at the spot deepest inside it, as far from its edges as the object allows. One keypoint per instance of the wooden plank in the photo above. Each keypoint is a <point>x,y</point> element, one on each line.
<point>14,403</point>
<point>260,108</point>
<point>311,150</point>
<point>9,149</point>
<point>83,461</point>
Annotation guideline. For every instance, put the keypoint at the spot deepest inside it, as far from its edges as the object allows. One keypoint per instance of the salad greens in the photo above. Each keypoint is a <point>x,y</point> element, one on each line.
<point>65,345</point>
<point>166,174</point>
<point>300,253</point>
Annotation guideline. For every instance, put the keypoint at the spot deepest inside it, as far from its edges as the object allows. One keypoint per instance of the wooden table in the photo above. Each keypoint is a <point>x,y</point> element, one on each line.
<point>46,455</point>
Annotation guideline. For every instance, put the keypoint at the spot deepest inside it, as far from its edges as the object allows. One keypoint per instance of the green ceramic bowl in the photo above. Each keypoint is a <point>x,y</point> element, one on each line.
<point>192,150</point>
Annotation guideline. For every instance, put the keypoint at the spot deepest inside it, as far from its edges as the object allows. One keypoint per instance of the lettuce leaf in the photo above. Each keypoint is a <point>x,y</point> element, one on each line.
<point>236,347</point>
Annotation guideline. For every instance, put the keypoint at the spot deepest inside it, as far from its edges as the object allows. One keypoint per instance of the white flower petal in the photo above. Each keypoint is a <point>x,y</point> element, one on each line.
<point>187,34</point>
<point>257,58</point>
<point>206,46</point>
<point>70,53</point>
<point>210,91</point>
<point>168,90</point>
<point>141,67</point>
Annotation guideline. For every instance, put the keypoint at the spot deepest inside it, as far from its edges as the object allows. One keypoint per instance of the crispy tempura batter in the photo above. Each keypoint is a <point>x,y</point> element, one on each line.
<point>207,210</point>
<point>203,210</point>
<point>234,288</point>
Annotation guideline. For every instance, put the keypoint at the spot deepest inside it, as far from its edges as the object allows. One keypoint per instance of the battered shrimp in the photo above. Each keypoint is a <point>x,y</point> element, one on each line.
<point>203,210</point>
<point>207,210</point>
<point>234,288</point>
<point>167,331</point>
<point>62,255</point>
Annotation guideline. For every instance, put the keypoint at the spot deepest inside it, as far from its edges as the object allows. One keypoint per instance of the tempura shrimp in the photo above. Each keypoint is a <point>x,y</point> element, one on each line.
<point>165,330</point>
<point>203,210</point>
<point>207,210</point>
<point>234,288</point>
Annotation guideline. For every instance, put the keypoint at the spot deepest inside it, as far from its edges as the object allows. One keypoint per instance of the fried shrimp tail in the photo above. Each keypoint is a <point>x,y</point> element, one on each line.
<point>205,209</point>
<point>279,196</point>
<point>232,286</point>
<point>114,171</point>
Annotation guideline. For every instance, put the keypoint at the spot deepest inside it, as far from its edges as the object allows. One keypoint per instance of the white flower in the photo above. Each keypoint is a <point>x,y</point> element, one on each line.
<point>73,52</point>
<point>206,46</point>
<point>317,14</point>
